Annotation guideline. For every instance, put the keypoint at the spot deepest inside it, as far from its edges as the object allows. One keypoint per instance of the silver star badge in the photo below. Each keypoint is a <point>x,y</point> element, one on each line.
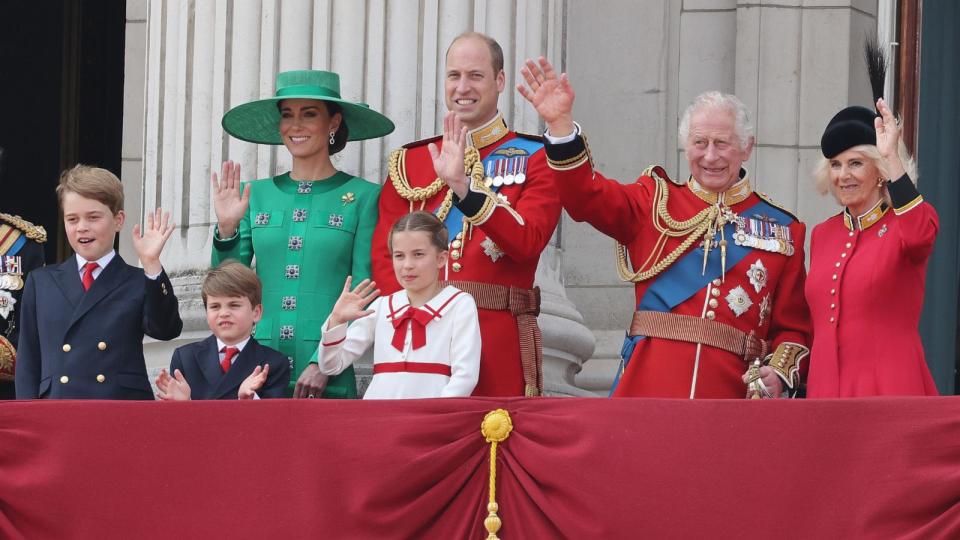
<point>738,300</point>
<point>758,275</point>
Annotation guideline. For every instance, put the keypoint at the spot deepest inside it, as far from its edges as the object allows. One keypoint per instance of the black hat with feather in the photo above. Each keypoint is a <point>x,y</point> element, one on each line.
<point>853,126</point>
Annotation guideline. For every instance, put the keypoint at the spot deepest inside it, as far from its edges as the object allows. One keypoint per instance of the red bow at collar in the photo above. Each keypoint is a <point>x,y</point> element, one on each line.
<point>418,321</point>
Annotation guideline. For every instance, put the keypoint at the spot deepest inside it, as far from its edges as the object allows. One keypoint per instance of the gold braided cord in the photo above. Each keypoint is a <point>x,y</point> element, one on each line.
<point>397,171</point>
<point>472,165</point>
<point>495,428</point>
<point>695,228</point>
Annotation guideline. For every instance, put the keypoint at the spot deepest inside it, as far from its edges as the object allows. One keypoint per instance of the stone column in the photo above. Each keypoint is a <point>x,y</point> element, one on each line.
<point>202,58</point>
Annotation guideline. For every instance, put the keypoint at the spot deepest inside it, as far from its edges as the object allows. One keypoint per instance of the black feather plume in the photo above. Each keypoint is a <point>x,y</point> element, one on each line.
<point>876,65</point>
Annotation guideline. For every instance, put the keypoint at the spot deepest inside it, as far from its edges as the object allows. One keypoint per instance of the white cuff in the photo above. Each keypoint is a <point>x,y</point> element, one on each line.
<point>565,139</point>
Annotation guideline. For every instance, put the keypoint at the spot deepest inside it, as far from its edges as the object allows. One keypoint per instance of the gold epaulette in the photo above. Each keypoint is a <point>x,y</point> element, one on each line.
<point>776,205</point>
<point>33,232</point>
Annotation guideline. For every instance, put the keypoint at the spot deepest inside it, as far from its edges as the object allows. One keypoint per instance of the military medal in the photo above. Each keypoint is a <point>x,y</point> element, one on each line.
<point>738,300</point>
<point>757,275</point>
<point>762,232</point>
<point>11,277</point>
<point>488,174</point>
<point>511,167</point>
<point>6,303</point>
<point>491,249</point>
<point>521,175</point>
<point>765,308</point>
<point>498,179</point>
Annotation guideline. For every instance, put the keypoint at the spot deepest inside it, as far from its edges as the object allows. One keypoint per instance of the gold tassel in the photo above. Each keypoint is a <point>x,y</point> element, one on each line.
<point>495,428</point>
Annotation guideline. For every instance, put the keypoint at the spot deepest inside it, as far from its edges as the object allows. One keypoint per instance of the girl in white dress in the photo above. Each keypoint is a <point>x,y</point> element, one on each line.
<point>426,337</point>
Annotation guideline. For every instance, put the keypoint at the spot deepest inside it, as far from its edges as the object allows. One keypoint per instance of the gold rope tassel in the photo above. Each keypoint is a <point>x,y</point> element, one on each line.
<point>495,428</point>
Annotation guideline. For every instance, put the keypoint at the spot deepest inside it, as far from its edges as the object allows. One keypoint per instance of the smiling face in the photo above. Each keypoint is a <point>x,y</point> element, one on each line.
<point>231,318</point>
<point>854,178</point>
<point>90,225</point>
<point>714,150</point>
<point>471,87</point>
<point>305,126</point>
<point>416,261</point>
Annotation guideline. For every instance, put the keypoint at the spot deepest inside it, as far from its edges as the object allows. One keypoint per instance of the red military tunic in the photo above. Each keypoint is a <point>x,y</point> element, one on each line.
<point>761,293</point>
<point>865,292</point>
<point>501,243</point>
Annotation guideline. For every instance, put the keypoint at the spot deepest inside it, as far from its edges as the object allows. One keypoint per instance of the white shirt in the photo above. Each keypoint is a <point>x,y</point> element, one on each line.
<point>239,345</point>
<point>452,339</point>
<point>102,263</point>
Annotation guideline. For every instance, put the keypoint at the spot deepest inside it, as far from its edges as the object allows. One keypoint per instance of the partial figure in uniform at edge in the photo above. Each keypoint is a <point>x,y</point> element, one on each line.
<point>718,269</point>
<point>307,229</point>
<point>21,250</point>
<point>868,264</point>
<point>500,213</point>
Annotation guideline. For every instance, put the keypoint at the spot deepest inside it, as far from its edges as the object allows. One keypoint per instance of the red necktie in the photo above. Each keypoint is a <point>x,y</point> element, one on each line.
<point>418,321</point>
<point>88,274</point>
<point>228,354</point>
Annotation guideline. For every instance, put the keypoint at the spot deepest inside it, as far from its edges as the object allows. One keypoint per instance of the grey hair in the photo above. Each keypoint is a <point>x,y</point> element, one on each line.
<point>726,102</point>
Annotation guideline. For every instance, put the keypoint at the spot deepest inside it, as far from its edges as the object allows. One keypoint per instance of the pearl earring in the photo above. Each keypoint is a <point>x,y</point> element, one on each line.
<point>332,140</point>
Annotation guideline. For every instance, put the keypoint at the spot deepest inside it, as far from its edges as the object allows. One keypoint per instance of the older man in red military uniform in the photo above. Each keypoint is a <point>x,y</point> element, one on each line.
<point>501,213</point>
<point>717,267</point>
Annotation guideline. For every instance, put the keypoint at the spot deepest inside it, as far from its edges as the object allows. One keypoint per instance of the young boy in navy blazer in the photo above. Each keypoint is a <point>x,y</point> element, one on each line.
<point>82,321</point>
<point>230,364</point>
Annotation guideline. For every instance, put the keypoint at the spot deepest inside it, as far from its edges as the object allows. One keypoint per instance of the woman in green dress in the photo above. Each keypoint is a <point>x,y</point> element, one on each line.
<point>305,230</point>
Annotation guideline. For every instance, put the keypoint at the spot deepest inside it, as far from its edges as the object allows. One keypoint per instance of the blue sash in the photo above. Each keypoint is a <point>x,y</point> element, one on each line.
<point>685,277</point>
<point>517,146</point>
<point>17,245</point>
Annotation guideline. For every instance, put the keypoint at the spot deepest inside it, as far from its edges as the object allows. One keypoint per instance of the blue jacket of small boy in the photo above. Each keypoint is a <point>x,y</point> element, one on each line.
<point>200,364</point>
<point>89,345</point>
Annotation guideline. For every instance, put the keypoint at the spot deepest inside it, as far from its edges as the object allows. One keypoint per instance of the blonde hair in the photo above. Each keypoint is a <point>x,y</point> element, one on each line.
<point>821,172</point>
<point>231,279</point>
<point>94,183</point>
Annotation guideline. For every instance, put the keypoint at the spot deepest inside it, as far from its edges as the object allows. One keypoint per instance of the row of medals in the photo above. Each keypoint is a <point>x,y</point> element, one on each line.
<point>11,282</point>
<point>778,241</point>
<point>505,172</point>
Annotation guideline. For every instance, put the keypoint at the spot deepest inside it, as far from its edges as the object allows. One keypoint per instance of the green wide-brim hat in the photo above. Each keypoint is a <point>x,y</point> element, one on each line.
<point>259,121</point>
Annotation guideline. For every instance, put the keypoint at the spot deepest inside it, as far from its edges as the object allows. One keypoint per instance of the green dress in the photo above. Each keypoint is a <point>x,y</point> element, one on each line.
<point>306,238</point>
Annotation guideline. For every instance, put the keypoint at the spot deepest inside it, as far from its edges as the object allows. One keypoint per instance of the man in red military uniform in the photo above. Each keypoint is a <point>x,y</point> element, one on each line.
<point>500,213</point>
<point>717,268</point>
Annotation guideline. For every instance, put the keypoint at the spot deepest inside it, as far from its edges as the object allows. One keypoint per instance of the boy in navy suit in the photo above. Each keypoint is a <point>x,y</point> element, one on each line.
<point>82,322</point>
<point>230,364</point>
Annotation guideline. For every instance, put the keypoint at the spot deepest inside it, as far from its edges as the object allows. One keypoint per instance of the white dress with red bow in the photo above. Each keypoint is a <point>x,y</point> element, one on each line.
<point>430,351</point>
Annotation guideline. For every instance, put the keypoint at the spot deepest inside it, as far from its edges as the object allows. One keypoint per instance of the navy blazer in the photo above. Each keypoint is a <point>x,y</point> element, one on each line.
<point>200,364</point>
<point>89,345</point>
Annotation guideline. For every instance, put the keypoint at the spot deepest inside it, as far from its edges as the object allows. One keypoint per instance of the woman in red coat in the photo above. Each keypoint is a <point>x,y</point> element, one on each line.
<point>868,263</point>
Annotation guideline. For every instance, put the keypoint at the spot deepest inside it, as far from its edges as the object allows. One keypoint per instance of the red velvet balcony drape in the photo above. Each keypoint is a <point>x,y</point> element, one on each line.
<point>577,468</point>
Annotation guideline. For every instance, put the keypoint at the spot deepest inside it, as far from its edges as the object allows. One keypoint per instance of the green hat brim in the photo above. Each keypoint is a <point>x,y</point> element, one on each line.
<point>259,121</point>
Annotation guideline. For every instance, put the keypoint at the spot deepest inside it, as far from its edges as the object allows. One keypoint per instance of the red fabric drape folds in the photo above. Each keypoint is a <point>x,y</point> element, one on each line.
<point>576,468</point>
